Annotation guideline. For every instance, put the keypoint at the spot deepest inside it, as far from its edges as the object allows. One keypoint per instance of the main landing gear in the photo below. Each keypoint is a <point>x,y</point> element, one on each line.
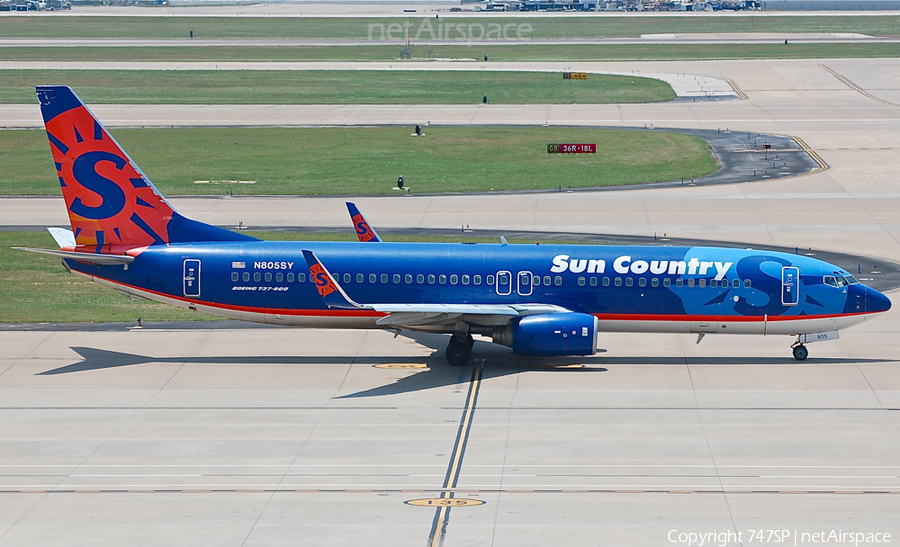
<point>800,352</point>
<point>459,349</point>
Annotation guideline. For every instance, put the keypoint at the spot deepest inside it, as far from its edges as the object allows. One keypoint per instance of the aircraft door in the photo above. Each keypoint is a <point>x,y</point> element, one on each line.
<point>524,284</point>
<point>504,283</point>
<point>191,277</point>
<point>790,285</point>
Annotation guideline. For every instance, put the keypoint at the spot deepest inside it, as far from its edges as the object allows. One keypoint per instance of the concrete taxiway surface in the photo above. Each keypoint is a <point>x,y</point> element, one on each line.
<point>259,436</point>
<point>274,436</point>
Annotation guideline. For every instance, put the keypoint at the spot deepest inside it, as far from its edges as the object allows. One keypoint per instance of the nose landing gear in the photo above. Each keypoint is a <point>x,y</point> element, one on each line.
<point>800,352</point>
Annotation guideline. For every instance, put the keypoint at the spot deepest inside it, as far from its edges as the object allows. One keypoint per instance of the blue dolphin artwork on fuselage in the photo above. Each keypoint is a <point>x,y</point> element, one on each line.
<point>537,299</point>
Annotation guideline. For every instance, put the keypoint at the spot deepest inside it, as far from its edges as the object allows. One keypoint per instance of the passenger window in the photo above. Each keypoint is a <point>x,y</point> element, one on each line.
<point>301,278</point>
<point>346,278</point>
<point>667,282</point>
<point>408,279</point>
<point>606,282</point>
<point>701,283</point>
<point>279,277</point>
<point>290,278</point>
<point>618,282</point>
<point>536,281</point>
<point>581,281</point>
<point>547,280</point>
<point>557,280</point>
<point>465,280</point>
<point>420,279</point>
<point>454,279</point>
<point>235,276</point>
<point>654,282</point>
<point>476,280</point>
<point>268,277</point>
<point>431,279</point>
<point>257,276</point>
<point>246,276</point>
<point>384,278</point>
<point>442,279</point>
<point>642,282</point>
<point>593,282</point>
<point>373,278</point>
<point>736,283</point>
<point>629,282</point>
<point>490,280</point>
<point>360,278</point>
<point>691,283</point>
<point>396,279</point>
<point>746,283</point>
<point>679,282</point>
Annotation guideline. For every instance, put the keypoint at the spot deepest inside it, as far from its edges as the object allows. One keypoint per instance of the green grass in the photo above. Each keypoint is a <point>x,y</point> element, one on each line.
<point>37,289</point>
<point>369,160</point>
<point>496,53</point>
<point>166,27</point>
<point>332,87</point>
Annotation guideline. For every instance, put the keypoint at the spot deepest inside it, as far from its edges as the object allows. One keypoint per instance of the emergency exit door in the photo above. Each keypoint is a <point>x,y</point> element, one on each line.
<point>790,286</point>
<point>191,277</point>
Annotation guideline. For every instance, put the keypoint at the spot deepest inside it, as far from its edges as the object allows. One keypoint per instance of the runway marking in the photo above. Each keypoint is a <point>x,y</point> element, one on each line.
<point>737,89</point>
<point>442,513</point>
<point>856,88</point>
<point>401,365</point>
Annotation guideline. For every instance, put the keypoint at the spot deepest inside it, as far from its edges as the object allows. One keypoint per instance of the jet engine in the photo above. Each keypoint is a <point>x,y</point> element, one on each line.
<point>550,334</point>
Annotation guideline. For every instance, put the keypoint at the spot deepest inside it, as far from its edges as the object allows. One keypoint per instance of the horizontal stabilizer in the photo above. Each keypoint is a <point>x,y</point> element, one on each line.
<point>90,258</point>
<point>63,237</point>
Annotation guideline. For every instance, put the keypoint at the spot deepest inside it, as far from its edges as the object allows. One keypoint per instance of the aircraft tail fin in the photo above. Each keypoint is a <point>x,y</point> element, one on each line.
<point>364,230</point>
<point>109,199</point>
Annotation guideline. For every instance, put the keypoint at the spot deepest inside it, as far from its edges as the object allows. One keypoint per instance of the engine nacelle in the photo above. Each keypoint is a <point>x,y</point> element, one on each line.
<point>550,334</point>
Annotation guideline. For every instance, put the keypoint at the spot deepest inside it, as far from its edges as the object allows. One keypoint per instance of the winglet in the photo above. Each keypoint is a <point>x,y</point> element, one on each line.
<point>332,293</point>
<point>364,231</point>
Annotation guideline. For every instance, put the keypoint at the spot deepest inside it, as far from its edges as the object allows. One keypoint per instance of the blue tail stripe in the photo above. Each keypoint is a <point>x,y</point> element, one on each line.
<point>57,143</point>
<point>146,228</point>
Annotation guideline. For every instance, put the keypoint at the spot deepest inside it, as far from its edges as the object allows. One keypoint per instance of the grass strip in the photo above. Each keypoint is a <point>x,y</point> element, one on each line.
<point>361,28</point>
<point>332,87</point>
<point>368,160</point>
<point>37,289</point>
<point>495,53</point>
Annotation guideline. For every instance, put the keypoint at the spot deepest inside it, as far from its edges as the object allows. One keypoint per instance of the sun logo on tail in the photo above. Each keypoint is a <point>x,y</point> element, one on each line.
<point>109,200</point>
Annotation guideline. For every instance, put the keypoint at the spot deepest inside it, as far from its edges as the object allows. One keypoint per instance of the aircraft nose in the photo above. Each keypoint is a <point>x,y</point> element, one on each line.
<point>876,302</point>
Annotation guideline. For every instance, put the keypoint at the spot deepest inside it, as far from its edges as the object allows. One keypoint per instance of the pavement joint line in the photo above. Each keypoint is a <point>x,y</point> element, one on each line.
<point>457,491</point>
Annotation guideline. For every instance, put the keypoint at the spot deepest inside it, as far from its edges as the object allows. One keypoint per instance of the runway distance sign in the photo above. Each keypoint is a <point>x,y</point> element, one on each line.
<point>574,75</point>
<point>571,148</point>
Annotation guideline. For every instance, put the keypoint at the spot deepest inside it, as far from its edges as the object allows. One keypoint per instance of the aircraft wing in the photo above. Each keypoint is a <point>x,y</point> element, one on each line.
<point>409,315</point>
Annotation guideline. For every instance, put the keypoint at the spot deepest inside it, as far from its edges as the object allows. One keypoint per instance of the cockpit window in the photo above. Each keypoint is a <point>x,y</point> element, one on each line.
<point>838,281</point>
<point>851,280</point>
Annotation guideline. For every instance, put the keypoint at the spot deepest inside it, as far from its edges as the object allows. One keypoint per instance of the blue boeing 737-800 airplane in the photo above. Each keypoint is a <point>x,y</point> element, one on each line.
<point>547,300</point>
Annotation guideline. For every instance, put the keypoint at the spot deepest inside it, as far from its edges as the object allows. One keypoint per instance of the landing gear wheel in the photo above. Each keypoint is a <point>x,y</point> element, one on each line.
<point>459,350</point>
<point>800,352</point>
